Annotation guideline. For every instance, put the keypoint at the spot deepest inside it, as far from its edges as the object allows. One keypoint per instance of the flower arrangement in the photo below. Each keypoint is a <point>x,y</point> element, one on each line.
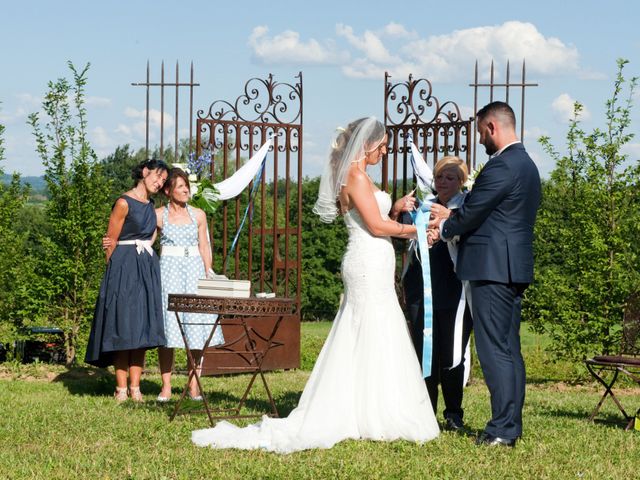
<point>468,185</point>
<point>204,193</point>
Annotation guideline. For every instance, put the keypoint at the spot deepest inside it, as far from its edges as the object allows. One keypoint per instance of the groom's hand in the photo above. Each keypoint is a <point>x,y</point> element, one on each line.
<point>437,214</point>
<point>440,212</point>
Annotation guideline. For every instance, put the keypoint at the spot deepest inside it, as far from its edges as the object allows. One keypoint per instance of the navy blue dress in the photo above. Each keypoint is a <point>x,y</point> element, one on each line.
<point>128,312</point>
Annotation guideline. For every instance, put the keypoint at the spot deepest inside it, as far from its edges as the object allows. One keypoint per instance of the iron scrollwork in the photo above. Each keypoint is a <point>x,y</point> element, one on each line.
<point>412,102</point>
<point>263,101</point>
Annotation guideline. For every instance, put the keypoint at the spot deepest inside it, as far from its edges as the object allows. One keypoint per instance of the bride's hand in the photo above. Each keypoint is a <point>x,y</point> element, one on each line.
<point>404,204</point>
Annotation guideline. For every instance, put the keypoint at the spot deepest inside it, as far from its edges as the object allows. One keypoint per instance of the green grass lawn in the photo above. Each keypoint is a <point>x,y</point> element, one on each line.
<point>59,423</point>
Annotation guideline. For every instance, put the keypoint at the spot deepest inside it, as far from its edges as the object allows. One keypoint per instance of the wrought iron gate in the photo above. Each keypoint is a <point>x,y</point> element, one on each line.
<point>437,129</point>
<point>269,249</point>
<point>234,132</point>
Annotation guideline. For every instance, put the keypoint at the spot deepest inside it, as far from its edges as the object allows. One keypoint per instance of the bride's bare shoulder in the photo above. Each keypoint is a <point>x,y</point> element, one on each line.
<point>356,178</point>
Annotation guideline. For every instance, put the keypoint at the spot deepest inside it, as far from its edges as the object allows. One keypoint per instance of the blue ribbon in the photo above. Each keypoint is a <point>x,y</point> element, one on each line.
<point>420,218</point>
<point>256,182</point>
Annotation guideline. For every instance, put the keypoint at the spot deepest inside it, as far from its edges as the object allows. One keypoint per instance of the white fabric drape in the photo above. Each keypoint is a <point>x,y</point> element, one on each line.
<point>236,183</point>
<point>424,174</point>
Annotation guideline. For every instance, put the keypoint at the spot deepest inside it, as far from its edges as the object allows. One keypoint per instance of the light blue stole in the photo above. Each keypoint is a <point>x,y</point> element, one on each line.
<point>420,218</point>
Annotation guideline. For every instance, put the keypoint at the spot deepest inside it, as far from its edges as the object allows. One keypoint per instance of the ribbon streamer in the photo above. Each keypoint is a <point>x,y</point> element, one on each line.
<point>421,220</point>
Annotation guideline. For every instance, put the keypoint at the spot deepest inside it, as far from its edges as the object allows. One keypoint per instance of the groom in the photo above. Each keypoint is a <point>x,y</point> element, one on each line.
<point>495,225</point>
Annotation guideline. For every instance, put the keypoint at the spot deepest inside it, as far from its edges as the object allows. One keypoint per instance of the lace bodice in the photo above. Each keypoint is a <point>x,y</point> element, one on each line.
<point>354,221</point>
<point>368,265</point>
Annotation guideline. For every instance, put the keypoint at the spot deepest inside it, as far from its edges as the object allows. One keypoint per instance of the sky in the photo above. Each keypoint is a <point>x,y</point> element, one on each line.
<point>342,49</point>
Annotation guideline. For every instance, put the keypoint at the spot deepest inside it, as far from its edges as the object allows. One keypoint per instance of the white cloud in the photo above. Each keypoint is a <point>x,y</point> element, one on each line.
<point>588,74</point>
<point>18,111</point>
<point>18,115</point>
<point>309,144</point>
<point>632,150</point>
<point>28,100</point>
<point>369,44</point>
<point>100,138</point>
<point>99,102</point>
<point>124,129</point>
<point>466,112</point>
<point>362,68</point>
<point>154,116</point>
<point>563,108</point>
<point>287,48</point>
<point>544,163</point>
<point>443,58</point>
<point>393,29</point>
<point>314,164</point>
<point>532,134</point>
<point>103,144</point>
<point>448,56</point>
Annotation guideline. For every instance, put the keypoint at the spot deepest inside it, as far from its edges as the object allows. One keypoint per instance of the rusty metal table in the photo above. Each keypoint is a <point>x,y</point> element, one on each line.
<point>231,311</point>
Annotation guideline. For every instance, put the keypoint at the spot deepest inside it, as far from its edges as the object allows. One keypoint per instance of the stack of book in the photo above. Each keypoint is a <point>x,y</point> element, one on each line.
<point>221,286</point>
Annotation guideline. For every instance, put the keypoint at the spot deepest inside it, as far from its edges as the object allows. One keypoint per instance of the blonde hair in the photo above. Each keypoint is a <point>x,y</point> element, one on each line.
<point>454,163</point>
<point>375,137</point>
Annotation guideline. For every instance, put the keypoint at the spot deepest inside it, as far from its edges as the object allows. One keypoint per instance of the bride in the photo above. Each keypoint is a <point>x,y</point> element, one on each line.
<point>366,383</point>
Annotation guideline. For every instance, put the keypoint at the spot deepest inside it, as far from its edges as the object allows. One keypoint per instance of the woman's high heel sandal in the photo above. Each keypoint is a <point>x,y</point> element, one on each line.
<point>195,398</point>
<point>120,394</point>
<point>136,394</point>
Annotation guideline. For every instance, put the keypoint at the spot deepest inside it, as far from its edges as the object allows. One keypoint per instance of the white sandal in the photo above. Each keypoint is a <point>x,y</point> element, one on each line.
<point>136,394</point>
<point>195,398</point>
<point>121,394</point>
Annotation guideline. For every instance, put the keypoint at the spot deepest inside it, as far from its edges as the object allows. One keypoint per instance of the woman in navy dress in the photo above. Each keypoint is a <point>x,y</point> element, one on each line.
<point>128,316</point>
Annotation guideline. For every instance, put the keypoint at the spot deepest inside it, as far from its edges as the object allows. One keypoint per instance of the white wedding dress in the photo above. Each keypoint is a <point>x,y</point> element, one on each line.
<point>366,383</point>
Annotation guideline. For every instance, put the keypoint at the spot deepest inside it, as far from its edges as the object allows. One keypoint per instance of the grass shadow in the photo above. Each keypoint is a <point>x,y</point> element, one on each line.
<point>218,400</point>
<point>610,419</point>
<point>96,382</point>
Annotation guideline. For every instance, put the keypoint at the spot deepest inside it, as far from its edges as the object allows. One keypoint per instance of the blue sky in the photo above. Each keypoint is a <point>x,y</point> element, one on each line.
<point>342,48</point>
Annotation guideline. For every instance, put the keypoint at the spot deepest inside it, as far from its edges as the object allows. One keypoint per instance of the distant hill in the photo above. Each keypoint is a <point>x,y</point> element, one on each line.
<point>37,183</point>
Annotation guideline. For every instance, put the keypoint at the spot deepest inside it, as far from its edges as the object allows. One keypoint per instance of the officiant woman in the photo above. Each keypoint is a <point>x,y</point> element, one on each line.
<point>451,314</point>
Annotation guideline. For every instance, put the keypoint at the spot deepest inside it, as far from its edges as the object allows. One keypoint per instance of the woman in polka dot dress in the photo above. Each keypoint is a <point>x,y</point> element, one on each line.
<point>185,257</point>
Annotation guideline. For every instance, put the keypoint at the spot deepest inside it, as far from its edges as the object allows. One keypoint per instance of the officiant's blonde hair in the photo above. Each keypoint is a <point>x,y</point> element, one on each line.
<point>453,163</point>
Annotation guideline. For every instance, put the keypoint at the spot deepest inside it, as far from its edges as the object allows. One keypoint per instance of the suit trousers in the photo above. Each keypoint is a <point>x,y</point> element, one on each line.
<point>496,322</point>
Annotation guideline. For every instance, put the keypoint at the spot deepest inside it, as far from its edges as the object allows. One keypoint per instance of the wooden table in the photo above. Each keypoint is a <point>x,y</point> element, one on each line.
<point>231,311</point>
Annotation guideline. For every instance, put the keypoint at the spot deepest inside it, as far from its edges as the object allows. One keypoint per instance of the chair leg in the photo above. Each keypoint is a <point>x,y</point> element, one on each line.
<point>608,392</point>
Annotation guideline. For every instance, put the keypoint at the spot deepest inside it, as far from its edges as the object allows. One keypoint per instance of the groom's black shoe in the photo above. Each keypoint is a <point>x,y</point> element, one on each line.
<point>454,423</point>
<point>486,439</point>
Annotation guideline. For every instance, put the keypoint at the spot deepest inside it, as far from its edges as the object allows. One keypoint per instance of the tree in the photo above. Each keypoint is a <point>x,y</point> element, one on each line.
<point>117,169</point>
<point>12,198</point>
<point>322,248</point>
<point>587,254</point>
<point>76,212</point>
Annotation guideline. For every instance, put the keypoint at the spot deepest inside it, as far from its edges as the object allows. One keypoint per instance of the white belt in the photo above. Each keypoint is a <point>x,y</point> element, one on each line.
<point>178,251</point>
<point>140,245</point>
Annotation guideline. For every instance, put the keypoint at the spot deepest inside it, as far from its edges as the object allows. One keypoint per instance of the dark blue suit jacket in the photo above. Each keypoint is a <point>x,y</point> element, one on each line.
<point>495,223</point>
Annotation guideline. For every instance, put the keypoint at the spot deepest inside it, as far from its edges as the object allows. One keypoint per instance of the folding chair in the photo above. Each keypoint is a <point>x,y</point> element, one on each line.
<point>606,368</point>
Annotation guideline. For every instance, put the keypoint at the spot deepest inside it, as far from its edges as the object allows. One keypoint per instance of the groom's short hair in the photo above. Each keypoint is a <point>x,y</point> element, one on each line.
<point>500,110</point>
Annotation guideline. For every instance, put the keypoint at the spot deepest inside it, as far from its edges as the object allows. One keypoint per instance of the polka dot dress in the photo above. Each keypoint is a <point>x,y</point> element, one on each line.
<point>180,275</point>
